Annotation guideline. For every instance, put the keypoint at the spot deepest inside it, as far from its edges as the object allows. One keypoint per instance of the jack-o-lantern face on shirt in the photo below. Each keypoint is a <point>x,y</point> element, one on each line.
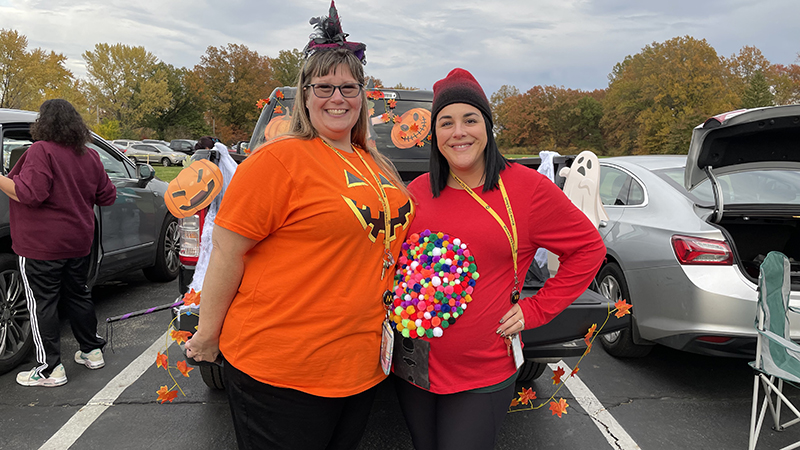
<point>193,189</point>
<point>413,127</point>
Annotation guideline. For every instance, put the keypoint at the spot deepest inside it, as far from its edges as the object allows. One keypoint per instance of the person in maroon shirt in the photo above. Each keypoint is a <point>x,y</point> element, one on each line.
<point>480,220</point>
<point>53,188</point>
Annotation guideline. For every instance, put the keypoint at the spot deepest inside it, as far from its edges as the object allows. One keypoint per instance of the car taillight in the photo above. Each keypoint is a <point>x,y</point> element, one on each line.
<point>692,250</point>
<point>191,228</point>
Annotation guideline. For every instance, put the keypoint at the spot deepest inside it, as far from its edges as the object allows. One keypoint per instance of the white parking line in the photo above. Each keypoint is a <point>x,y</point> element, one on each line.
<point>83,419</point>
<point>605,422</point>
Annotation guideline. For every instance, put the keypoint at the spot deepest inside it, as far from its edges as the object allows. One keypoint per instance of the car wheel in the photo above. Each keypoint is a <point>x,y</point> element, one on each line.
<point>167,262</point>
<point>16,340</point>
<point>165,162</point>
<point>530,371</point>
<point>619,343</point>
<point>212,375</point>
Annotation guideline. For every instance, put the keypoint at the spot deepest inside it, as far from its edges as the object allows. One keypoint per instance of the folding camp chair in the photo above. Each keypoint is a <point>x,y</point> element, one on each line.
<point>777,356</point>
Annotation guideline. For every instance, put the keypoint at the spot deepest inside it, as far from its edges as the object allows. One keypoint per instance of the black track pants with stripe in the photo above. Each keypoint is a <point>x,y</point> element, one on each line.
<point>50,285</point>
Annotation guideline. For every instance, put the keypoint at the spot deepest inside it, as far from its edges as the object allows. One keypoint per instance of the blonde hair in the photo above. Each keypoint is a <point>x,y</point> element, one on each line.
<point>322,63</point>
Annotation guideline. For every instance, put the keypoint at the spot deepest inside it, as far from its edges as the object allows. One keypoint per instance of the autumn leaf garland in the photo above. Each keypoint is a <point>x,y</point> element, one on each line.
<point>526,397</point>
<point>166,394</point>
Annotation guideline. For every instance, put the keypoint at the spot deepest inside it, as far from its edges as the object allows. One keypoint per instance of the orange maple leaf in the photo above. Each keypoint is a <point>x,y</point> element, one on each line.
<point>191,297</point>
<point>161,360</point>
<point>182,368</point>
<point>414,128</point>
<point>396,119</point>
<point>589,334</point>
<point>165,394</point>
<point>559,408</point>
<point>180,336</point>
<point>278,109</point>
<point>572,374</point>
<point>392,103</point>
<point>420,144</point>
<point>279,95</point>
<point>429,137</point>
<point>557,374</point>
<point>260,103</point>
<point>622,308</point>
<point>514,402</point>
<point>385,117</point>
<point>526,395</point>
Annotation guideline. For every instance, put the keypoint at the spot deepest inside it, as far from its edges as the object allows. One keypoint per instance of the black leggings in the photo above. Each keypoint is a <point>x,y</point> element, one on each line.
<point>269,417</point>
<point>460,421</point>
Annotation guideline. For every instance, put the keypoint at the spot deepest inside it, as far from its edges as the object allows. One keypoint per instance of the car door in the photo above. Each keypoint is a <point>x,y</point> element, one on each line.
<point>129,227</point>
<point>618,191</point>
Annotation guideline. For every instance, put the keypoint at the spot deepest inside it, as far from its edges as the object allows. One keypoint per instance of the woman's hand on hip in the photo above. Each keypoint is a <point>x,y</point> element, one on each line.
<point>512,322</point>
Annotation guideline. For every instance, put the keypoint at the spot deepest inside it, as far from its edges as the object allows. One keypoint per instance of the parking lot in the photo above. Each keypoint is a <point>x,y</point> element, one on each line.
<point>667,400</point>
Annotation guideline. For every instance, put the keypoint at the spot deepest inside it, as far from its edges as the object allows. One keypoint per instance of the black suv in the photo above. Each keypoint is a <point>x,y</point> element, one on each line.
<point>183,145</point>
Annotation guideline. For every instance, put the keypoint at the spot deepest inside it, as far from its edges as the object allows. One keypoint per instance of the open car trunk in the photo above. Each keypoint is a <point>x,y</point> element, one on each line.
<point>753,236</point>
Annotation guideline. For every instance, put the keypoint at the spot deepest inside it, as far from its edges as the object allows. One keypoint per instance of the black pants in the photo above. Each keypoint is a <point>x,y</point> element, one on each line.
<point>461,421</point>
<point>49,284</point>
<point>268,417</point>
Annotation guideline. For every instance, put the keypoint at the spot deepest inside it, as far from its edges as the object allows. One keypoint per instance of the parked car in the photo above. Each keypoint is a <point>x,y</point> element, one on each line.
<point>687,234</point>
<point>155,141</point>
<point>129,235</point>
<point>155,153</point>
<point>125,144</point>
<point>183,145</point>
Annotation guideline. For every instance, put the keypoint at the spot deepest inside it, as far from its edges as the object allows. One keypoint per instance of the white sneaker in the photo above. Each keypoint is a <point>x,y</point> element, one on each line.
<point>92,360</point>
<point>31,378</point>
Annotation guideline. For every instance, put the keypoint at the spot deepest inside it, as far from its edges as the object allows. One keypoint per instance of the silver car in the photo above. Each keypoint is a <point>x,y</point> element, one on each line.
<point>686,234</point>
<point>155,154</point>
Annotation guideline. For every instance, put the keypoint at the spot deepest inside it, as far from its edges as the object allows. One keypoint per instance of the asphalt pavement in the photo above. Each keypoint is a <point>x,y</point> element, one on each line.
<point>668,400</point>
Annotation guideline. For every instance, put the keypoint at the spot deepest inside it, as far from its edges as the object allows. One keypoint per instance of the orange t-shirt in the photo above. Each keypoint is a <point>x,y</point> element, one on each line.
<point>308,312</point>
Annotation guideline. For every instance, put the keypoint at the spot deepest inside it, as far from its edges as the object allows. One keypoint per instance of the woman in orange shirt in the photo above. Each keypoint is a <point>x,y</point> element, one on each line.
<point>302,261</point>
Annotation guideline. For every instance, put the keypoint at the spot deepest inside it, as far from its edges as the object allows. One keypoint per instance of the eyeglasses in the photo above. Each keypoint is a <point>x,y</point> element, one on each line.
<point>325,90</point>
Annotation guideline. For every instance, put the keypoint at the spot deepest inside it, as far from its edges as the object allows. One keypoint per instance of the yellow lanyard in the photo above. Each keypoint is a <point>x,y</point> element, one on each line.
<point>512,238</point>
<point>388,259</point>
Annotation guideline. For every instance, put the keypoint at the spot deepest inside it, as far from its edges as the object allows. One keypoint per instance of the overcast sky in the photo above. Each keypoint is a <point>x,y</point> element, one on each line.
<point>524,43</point>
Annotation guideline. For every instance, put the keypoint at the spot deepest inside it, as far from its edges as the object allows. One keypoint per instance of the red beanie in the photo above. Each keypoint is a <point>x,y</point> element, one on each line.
<point>459,86</point>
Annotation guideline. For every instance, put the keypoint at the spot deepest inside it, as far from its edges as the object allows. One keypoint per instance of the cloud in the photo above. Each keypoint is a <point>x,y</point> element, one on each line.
<point>574,43</point>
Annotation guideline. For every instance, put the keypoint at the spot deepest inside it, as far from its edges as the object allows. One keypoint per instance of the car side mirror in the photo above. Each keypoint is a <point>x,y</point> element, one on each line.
<point>145,174</point>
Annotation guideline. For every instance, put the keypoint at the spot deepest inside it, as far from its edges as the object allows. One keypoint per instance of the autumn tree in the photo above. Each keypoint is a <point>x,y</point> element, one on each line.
<point>234,78</point>
<point>747,67</point>
<point>27,78</point>
<point>656,97</point>
<point>126,84</point>
<point>785,83</point>
<point>286,67</point>
<point>548,118</point>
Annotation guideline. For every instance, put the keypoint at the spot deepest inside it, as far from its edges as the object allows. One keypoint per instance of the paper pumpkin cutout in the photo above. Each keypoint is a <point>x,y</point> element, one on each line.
<point>193,189</point>
<point>411,128</point>
<point>277,125</point>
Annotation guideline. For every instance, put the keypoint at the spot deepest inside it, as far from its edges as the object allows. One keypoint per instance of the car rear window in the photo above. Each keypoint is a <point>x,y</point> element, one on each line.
<point>399,121</point>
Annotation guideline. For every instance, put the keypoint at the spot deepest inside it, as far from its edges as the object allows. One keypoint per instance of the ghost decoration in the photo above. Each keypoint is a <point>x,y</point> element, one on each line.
<point>582,188</point>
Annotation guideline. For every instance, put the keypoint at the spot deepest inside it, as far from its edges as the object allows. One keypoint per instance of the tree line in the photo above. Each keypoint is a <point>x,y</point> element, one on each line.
<point>651,104</point>
<point>653,101</point>
<point>130,93</point>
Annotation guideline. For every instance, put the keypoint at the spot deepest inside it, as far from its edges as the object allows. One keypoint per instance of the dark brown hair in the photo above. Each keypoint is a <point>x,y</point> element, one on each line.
<point>59,122</point>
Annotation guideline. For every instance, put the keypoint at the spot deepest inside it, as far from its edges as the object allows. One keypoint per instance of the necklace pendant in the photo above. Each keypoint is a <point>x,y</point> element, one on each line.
<point>388,298</point>
<point>515,296</point>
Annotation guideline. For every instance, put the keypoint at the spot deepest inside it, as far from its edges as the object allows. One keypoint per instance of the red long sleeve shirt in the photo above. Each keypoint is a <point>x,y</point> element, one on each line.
<point>57,191</point>
<point>470,354</point>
